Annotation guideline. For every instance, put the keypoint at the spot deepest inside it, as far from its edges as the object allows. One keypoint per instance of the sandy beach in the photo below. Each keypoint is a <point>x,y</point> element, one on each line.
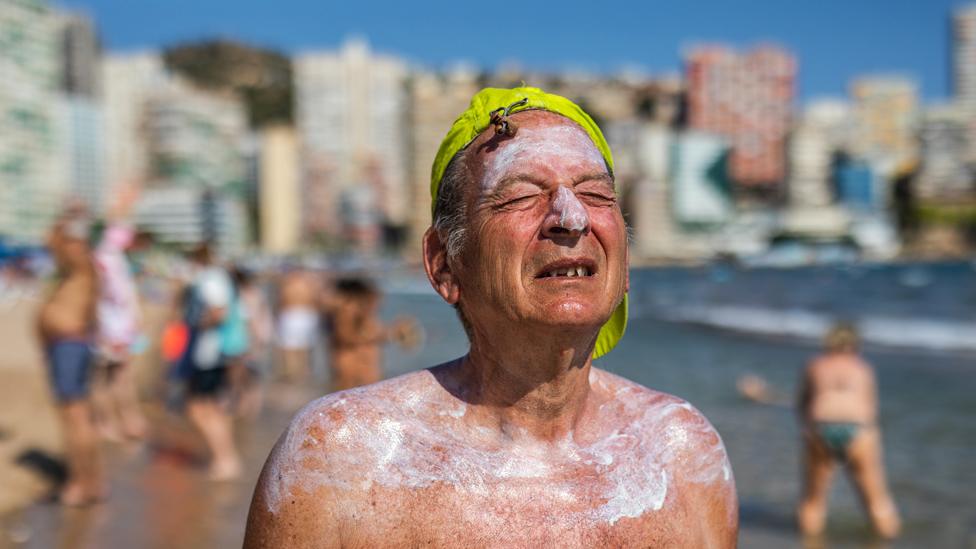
<point>28,424</point>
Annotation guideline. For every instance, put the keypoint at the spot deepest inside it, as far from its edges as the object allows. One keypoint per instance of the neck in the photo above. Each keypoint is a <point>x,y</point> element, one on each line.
<point>526,387</point>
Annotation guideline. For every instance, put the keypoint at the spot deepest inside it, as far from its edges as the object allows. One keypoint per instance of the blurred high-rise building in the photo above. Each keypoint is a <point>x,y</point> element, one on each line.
<point>279,191</point>
<point>82,109</point>
<point>195,138</point>
<point>963,49</point>
<point>943,171</point>
<point>350,115</point>
<point>608,100</point>
<point>435,99</point>
<point>127,82</point>
<point>885,118</point>
<point>33,173</point>
<point>187,216</point>
<point>748,99</point>
<point>83,139</point>
<point>674,188</point>
<point>821,131</point>
<point>197,177</point>
<point>699,175</point>
<point>80,54</point>
<point>187,147</point>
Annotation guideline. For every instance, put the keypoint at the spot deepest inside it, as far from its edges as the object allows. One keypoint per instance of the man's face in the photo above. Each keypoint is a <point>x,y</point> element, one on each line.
<point>546,240</point>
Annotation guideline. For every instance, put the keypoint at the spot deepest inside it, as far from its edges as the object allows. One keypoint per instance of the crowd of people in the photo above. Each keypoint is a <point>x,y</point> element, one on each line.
<point>228,333</point>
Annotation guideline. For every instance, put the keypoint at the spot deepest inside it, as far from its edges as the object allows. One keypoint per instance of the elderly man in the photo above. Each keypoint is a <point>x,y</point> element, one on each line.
<point>521,442</point>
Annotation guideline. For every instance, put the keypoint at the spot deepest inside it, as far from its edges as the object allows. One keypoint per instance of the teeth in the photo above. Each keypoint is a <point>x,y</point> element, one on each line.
<point>570,271</point>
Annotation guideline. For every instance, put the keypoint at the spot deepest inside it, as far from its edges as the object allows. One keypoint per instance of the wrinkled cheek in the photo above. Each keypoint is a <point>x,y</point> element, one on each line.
<point>492,261</point>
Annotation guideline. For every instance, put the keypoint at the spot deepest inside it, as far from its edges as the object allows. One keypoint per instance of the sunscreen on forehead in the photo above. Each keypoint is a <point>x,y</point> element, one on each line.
<point>551,145</point>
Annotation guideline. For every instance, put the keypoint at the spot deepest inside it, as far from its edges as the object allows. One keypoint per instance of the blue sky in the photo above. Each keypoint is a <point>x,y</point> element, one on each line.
<point>834,40</point>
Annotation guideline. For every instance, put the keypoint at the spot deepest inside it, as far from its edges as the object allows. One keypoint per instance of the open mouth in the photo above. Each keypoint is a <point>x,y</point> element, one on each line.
<point>567,269</point>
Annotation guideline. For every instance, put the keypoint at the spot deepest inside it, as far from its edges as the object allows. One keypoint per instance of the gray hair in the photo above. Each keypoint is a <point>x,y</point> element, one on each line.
<point>451,209</point>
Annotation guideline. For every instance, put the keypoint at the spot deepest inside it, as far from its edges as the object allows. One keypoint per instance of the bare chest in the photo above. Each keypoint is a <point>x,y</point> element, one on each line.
<point>508,513</point>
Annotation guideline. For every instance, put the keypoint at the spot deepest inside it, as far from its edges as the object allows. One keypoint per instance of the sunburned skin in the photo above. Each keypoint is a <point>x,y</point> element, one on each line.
<point>409,434</point>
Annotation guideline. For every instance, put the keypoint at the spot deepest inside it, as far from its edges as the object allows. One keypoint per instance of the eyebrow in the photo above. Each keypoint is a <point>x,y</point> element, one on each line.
<point>596,176</point>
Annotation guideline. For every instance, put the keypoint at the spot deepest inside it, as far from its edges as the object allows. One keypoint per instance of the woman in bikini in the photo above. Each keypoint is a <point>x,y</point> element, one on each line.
<point>838,408</point>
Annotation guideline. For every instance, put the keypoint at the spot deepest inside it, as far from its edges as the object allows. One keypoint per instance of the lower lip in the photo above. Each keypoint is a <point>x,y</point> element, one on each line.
<point>566,278</point>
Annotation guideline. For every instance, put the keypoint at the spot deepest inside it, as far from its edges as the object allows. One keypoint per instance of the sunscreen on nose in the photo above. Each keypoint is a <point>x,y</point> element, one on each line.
<point>572,214</point>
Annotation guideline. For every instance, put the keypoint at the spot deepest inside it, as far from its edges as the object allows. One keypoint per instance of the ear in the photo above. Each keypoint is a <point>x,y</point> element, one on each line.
<point>438,270</point>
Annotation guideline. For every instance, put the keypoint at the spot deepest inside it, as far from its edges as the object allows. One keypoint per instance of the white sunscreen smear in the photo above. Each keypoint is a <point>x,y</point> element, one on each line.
<point>552,146</point>
<point>572,214</point>
<point>366,437</point>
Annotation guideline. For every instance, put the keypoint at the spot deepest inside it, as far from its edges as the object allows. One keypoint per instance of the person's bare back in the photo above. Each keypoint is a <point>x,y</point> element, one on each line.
<point>841,388</point>
<point>838,409</point>
<point>406,463</point>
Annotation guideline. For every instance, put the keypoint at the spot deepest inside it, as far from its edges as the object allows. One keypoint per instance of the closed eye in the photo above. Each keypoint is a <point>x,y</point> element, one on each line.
<point>598,199</point>
<point>517,202</point>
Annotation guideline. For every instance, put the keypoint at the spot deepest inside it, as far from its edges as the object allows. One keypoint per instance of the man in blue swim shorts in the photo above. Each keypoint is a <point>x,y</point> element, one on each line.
<point>65,323</point>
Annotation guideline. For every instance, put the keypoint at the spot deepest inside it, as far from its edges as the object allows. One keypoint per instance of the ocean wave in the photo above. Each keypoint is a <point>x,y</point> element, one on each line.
<point>920,333</point>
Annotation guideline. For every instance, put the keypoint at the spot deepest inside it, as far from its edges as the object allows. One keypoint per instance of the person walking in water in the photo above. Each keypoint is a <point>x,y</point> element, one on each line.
<point>838,409</point>
<point>65,324</point>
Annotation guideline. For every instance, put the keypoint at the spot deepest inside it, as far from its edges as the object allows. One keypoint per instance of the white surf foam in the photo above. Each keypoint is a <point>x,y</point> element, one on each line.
<point>922,333</point>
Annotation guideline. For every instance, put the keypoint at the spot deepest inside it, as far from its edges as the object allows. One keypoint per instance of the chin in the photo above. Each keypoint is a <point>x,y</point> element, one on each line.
<point>574,314</point>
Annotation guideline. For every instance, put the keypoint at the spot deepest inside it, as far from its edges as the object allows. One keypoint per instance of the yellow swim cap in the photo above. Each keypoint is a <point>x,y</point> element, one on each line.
<point>476,119</point>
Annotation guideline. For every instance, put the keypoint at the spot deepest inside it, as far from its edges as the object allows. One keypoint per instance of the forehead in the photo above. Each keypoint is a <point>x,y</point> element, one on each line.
<point>546,143</point>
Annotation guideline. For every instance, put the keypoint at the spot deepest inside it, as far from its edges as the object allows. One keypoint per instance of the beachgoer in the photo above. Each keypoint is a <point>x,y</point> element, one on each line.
<point>66,325</point>
<point>838,409</point>
<point>298,323</point>
<point>357,334</point>
<point>209,309</point>
<point>250,334</point>
<point>521,442</point>
<point>114,393</point>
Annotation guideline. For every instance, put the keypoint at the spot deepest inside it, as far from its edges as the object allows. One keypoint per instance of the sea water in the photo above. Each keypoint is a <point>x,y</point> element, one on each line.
<point>694,331</point>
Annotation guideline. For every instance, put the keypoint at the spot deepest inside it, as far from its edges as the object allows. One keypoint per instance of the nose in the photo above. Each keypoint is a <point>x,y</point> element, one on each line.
<point>567,216</point>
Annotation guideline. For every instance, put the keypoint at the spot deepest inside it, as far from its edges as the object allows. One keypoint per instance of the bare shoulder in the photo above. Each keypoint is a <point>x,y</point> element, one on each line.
<point>341,429</point>
<point>682,440</point>
<point>667,420</point>
<point>321,461</point>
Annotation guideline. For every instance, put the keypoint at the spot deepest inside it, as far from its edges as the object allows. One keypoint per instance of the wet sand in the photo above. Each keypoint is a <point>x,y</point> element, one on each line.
<point>159,495</point>
<point>28,424</point>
